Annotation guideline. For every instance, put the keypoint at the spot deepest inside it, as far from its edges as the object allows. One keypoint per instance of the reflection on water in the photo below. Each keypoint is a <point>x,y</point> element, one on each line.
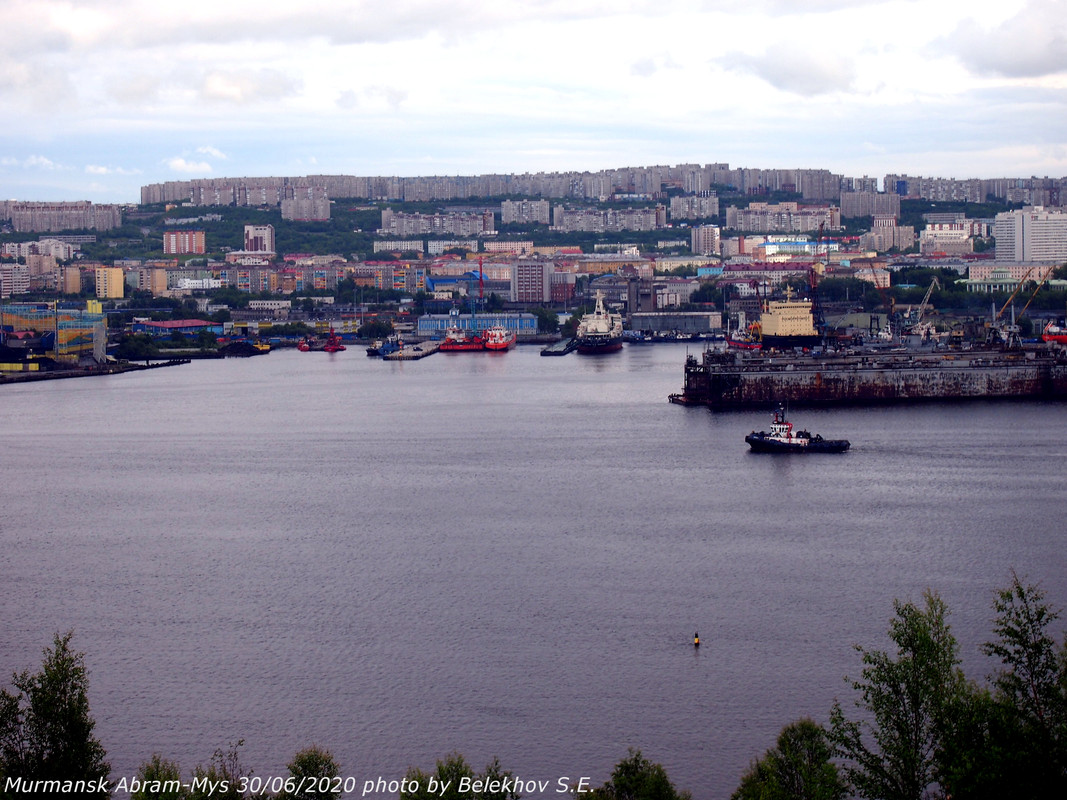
<point>497,554</point>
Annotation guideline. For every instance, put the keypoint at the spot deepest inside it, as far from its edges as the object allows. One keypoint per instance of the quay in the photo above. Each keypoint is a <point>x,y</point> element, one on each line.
<point>414,352</point>
<point>116,368</point>
<point>735,380</point>
<point>560,348</point>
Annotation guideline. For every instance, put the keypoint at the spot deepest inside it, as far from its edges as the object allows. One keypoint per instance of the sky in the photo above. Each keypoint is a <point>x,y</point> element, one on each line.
<point>101,97</point>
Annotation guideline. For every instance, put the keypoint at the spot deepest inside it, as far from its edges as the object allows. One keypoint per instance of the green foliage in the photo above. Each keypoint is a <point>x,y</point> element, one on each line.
<point>798,768</point>
<point>547,320</point>
<point>221,779</point>
<point>375,329</point>
<point>316,766</point>
<point>46,731</point>
<point>447,779</point>
<point>893,750</point>
<point>159,779</point>
<point>637,778</point>
<point>1031,686</point>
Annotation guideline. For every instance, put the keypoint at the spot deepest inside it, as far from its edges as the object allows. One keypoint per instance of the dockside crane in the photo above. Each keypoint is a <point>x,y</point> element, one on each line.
<point>1007,334</point>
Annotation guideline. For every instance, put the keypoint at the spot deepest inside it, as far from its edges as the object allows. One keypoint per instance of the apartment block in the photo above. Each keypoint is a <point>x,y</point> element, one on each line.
<point>526,212</point>
<point>1032,234</point>
<point>869,204</point>
<point>110,282</point>
<point>27,217</point>
<point>705,240</point>
<point>184,242</point>
<point>694,207</point>
<point>783,218</point>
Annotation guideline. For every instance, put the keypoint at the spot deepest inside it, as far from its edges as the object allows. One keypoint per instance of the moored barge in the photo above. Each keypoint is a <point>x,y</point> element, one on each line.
<point>740,380</point>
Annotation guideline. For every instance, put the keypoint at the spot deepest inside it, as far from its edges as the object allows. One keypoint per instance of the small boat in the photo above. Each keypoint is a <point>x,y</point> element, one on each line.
<point>333,343</point>
<point>383,347</point>
<point>499,338</point>
<point>782,439</point>
<point>1054,334</point>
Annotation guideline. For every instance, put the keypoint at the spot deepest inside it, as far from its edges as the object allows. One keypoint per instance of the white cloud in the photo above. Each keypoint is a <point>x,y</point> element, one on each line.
<point>30,162</point>
<point>1031,44</point>
<point>208,150</point>
<point>797,69</point>
<point>97,169</point>
<point>179,164</point>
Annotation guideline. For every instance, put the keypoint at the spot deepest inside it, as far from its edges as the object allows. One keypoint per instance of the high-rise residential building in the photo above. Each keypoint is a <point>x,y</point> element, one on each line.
<point>69,280</point>
<point>695,207</point>
<point>183,242</point>
<point>14,279</point>
<point>259,238</point>
<point>525,212</point>
<point>705,240</point>
<point>1031,234</point>
<point>110,282</point>
<point>782,218</point>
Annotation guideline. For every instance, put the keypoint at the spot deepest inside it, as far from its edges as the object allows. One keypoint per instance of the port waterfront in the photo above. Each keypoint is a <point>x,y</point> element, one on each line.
<point>496,555</point>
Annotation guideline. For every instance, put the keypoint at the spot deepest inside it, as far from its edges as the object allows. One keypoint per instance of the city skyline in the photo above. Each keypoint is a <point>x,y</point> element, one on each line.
<point>104,98</point>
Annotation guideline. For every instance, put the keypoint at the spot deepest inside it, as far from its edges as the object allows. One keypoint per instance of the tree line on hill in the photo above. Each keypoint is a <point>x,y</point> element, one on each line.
<point>919,728</point>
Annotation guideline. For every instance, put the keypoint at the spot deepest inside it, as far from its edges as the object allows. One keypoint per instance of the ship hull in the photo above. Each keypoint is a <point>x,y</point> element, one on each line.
<point>790,342</point>
<point>739,381</point>
<point>594,347</point>
<point>765,444</point>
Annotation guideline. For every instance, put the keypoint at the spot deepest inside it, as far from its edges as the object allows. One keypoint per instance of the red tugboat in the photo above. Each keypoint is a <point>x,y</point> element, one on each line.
<point>499,338</point>
<point>458,339</point>
<point>782,439</point>
<point>333,343</point>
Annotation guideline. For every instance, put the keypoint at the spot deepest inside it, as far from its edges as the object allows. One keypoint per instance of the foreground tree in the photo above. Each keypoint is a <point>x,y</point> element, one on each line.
<point>445,782</point>
<point>159,779</point>
<point>895,752</point>
<point>798,768</point>
<point>46,731</point>
<point>1029,692</point>
<point>637,778</point>
<point>315,766</point>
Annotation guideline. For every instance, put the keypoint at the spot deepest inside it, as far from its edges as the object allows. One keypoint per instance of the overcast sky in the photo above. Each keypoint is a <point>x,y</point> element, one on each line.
<point>99,97</point>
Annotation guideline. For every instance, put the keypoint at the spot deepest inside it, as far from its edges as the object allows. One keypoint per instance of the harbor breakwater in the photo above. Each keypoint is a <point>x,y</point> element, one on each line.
<point>735,380</point>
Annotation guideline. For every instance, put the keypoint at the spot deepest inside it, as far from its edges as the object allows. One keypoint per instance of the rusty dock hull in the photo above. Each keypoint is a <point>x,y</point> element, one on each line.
<point>730,380</point>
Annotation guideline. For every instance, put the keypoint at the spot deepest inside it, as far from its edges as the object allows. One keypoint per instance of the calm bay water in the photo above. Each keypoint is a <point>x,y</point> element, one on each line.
<point>496,554</point>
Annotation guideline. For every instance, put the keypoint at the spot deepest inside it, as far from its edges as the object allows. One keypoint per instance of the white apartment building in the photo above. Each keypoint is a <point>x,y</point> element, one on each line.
<point>1031,234</point>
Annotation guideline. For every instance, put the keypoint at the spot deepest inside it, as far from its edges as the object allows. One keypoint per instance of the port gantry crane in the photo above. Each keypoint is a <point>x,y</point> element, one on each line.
<point>917,326</point>
<point>1009,334</point>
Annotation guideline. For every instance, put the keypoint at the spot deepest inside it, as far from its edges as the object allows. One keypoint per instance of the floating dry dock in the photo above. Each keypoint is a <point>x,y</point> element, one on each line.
<point>735,380</point>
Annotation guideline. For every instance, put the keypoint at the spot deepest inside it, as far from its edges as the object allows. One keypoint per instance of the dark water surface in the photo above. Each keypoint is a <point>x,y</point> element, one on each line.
<point>496,554</point>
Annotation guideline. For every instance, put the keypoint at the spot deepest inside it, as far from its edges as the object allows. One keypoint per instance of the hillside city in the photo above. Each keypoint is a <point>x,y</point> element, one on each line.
<point>673,248</point>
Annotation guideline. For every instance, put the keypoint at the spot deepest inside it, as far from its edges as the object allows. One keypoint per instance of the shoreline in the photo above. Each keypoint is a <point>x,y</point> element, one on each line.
<point>87,372</point>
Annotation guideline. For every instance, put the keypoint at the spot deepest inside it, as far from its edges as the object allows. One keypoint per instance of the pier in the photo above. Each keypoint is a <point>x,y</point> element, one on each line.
<point>413,352</point>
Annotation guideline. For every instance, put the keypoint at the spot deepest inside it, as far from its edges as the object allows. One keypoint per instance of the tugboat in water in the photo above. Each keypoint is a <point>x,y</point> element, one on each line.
<point>499,338</point>
<point>782,439</point>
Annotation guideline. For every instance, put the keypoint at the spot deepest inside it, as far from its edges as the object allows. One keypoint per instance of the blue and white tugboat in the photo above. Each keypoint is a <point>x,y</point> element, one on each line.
<point>782,439</point>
